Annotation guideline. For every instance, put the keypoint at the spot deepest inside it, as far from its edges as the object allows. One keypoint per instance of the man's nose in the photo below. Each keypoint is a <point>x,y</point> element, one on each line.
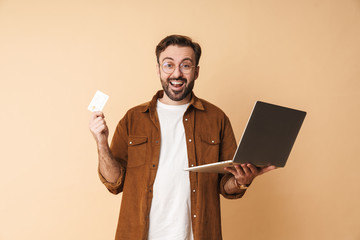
<point>177,73</point>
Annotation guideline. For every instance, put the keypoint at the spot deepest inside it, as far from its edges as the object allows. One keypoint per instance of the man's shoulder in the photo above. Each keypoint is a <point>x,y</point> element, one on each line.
<point>136,113</point>
<point>211,108</point>
<point>141,108</point>
<point>146,106</point>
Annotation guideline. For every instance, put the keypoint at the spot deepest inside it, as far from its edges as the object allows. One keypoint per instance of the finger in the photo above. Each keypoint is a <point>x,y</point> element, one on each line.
<point>97,122</point>
<point>246,169</point>
<point>253,169</point>
<point>231,170</point>
<point>98,126</point>
<point>99,119</point>
<point>96,114</point>
<point>100,114</point>
<point>267,169</point>
<point>239,169</point>
<point>100,129</point>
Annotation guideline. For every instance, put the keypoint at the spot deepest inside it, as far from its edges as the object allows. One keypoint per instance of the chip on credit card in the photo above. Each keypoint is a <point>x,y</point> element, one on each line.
<point>98,102</point>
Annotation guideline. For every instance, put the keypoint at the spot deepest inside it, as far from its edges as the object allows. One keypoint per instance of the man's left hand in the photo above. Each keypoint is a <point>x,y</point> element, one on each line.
<point>246,172</point>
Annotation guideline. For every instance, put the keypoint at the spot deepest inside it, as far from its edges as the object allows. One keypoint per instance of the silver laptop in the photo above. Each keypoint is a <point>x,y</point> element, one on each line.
<point>267,140</point>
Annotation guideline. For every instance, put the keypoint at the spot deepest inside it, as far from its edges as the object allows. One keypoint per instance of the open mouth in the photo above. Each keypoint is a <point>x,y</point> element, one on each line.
<point>177,83</point>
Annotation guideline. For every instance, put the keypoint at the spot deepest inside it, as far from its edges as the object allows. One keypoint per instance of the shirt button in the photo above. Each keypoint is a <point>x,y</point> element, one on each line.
<point>186,119</point>
<point>213,141</point>
<point>194,190</point>
<point>153,165</point>
<point>130,143</point>
<point>192,165</point>
<point>190,140</point>
<point>194,215</point>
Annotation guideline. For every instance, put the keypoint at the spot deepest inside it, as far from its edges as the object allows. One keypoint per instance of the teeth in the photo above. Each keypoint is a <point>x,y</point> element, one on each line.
<point>174,82</point>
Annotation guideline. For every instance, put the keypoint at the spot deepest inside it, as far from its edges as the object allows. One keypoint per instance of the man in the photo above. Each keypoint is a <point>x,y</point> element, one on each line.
<point>155,141</point>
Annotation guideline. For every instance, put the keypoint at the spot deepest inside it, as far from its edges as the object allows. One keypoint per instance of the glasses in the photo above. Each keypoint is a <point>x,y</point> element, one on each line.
<point>184,67</point>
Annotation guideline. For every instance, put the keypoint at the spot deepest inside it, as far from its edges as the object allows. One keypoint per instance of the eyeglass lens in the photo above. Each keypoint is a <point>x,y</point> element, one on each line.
<point>169,67</point>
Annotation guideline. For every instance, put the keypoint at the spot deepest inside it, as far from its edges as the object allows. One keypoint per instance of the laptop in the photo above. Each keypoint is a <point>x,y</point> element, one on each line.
<point>267,140</point>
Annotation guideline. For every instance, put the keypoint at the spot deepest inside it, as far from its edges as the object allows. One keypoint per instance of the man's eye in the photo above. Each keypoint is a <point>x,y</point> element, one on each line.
<point>168,65</point>
<point>186,65</point>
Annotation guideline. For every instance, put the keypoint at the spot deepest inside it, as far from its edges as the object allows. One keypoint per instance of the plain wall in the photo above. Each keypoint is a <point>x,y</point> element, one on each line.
<point>55,54</point>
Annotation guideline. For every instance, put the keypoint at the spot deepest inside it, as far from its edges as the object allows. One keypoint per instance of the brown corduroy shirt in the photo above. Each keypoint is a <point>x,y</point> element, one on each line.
<point>136,145</point>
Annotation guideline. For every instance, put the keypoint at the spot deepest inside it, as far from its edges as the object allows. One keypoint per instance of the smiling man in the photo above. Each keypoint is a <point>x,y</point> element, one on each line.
<point>155,141</point>
<point>178,69</point>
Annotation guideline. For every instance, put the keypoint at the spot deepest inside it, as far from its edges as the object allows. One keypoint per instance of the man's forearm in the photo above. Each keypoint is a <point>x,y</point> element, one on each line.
<point>231,187</point>
<point>108,166</point>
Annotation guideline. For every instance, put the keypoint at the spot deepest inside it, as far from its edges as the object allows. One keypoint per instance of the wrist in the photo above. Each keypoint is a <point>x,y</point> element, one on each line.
<point>103,146</point>
<point>241,186</point>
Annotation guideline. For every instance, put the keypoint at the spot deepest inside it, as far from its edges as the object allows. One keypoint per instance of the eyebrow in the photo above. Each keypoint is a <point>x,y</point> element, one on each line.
<point>170,58</point>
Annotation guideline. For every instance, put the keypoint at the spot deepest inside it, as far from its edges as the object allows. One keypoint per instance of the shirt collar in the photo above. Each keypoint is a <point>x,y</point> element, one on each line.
<point>194,101</point>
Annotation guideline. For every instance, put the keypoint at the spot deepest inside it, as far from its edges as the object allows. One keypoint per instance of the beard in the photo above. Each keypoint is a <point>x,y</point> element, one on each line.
<point>177,95</point>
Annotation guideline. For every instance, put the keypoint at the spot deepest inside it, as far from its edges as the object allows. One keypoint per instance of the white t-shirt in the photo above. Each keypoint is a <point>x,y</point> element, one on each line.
<point>170,214</point>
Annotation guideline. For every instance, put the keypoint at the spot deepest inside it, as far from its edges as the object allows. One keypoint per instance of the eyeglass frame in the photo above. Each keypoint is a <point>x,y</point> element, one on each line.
<point>177,66</point>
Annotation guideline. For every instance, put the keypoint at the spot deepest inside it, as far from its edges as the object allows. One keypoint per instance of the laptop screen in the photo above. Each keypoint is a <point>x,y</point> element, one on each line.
<point>269,135</point>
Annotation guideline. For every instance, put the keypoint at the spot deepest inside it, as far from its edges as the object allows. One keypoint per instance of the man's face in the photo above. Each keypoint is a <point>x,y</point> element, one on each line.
<point>178,83</point>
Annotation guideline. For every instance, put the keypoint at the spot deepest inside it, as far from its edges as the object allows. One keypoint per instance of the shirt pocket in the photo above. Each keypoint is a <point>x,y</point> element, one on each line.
<point>210,147</point>
<point>136,150</point>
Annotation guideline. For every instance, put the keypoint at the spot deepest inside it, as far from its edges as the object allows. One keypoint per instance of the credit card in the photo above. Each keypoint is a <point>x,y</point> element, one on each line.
<point>98,101</point>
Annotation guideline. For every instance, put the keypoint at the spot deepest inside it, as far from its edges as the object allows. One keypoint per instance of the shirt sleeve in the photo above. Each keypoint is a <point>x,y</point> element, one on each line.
<point>119,150</point>
<point>227,151</point>
<point>116,187</point>
<point>223,181</point>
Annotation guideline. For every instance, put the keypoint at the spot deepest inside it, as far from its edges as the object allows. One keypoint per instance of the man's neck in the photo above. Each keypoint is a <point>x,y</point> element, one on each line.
<point>166,100</point>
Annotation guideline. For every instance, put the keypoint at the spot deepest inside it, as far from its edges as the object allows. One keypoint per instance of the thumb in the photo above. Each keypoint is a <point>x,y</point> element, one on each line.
<point>267,169</point>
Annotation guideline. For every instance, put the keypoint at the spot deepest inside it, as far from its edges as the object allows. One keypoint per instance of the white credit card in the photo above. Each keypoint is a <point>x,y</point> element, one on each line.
<point>98,101</point>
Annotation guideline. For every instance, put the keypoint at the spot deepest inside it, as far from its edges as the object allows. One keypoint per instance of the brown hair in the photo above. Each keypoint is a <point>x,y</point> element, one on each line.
<point>179,40</point>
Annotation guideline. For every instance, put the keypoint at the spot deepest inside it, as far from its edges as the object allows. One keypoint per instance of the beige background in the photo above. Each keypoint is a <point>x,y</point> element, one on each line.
<point>55,54</point>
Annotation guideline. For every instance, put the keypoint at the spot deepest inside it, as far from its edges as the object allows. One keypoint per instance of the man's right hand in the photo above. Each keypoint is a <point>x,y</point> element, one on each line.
<point>99,128</point>
<point>109,168</point>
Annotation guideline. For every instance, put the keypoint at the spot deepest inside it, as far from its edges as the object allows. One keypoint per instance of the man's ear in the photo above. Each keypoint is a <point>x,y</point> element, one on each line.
<point>158,69</point>
<point>196,75</point>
